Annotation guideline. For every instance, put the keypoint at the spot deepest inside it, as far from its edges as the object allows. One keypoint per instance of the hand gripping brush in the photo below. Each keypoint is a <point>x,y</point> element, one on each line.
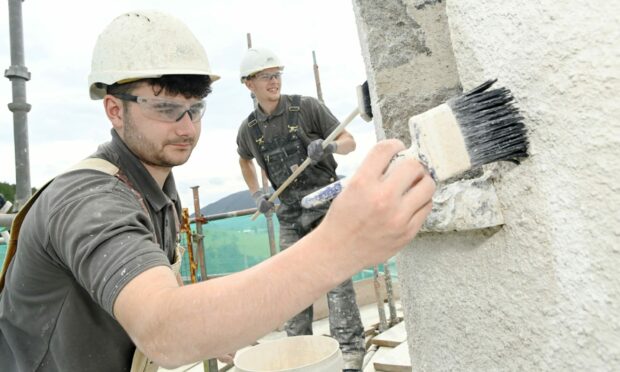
<point>363,109</point>
<point>476,128</point>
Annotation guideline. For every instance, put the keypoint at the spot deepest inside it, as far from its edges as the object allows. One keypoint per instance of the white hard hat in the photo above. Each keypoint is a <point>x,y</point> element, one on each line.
<point>258,59</point>
<point>145,44</point>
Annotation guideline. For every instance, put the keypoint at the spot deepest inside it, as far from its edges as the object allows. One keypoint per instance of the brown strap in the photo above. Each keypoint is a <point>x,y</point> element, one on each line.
<point>141,363</point>
<point>15,227</point>
<point>89,163</point>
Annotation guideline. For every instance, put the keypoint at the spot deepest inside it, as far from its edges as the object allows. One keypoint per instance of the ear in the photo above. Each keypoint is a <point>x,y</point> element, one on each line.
<point>249,84</point>
<point>114,111</point>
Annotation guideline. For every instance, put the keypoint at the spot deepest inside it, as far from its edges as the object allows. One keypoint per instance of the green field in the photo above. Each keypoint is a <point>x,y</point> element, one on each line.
<point>233,244</point>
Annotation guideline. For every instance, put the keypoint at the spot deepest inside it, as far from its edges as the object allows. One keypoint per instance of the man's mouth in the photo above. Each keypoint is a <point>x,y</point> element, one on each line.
<point>182,144</point>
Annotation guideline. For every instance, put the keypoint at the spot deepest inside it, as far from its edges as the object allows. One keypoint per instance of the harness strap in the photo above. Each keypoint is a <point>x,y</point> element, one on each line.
<point>257,134</point>
<point>292,120</point>
<point>293,110</point>
<point>293,133</point>
<point>89,163</point>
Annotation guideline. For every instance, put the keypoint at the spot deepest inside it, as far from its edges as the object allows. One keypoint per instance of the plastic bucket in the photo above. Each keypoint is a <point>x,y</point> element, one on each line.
<point>292,354</point>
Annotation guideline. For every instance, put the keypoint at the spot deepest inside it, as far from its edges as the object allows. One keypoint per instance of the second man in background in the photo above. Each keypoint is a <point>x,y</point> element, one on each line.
<point>280,134</point>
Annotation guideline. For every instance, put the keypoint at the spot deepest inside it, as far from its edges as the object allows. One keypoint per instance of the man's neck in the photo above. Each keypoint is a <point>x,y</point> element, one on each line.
<point>268,107</point>
<point>159,174</point>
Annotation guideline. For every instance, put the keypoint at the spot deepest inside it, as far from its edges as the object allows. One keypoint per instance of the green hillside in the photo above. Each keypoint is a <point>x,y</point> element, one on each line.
<point>234,244</point>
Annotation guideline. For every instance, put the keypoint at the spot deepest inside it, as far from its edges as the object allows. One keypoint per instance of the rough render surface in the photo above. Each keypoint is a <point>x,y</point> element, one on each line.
<point>408,52</point>
<point>400,56</point>
<point>543,291</point>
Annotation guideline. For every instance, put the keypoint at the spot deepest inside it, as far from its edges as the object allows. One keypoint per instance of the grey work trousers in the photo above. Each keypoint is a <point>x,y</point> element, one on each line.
<point>344,317</point>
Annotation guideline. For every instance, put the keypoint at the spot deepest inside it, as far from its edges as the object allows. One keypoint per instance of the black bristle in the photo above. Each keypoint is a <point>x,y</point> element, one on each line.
<point>491,125</point>
<point>367,105</point>
<point>482,87</point>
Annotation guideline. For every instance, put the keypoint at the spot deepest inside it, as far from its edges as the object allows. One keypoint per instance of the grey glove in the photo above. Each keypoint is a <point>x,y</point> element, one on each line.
<point>316,152</point>
<point>262,202</point>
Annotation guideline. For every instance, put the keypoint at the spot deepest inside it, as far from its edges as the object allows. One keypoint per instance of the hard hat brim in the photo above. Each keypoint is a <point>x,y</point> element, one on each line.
<point>99,81</point>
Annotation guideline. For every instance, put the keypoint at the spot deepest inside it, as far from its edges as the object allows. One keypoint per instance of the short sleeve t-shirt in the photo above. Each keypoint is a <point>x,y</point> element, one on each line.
<point>87,235</point>
<point>315,119</point>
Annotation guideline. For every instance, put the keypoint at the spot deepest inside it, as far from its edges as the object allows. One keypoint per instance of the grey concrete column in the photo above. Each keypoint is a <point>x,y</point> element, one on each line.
<point>411,68</point>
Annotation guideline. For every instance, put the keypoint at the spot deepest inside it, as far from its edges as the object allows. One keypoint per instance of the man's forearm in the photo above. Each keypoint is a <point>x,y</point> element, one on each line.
<point>345,143</point>
<point>221,315</point>
<point>248,171</point>
<point>176,325</point>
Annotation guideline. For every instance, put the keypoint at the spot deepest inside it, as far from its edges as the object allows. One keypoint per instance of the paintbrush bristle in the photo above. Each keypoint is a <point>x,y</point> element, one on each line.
<point>491,125</point>
<point>363,102</point>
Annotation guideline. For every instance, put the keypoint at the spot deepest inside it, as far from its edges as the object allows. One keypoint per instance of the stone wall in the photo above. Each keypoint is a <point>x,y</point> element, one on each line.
<point>539,288</point>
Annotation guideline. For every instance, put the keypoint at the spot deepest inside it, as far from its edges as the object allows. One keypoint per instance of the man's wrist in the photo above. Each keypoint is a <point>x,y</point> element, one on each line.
<point>332,147</point>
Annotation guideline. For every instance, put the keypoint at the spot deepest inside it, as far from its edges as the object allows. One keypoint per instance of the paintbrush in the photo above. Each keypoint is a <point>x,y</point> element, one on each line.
<point>476,128</point>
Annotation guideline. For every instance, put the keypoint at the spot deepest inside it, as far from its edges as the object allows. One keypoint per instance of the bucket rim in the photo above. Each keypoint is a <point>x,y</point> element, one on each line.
<point>285,339</point>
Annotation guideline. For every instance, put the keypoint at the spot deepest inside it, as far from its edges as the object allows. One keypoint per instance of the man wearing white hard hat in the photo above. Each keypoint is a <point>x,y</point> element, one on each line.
<point>281,132</point>
<point>89,281</point>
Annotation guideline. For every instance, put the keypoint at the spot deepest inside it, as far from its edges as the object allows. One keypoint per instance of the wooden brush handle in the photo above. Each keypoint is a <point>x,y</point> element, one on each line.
<point>323,195</point>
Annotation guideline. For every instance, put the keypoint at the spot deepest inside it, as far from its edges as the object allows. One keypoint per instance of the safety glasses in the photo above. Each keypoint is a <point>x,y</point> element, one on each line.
<point>264,76</point>
<point>165,110</point>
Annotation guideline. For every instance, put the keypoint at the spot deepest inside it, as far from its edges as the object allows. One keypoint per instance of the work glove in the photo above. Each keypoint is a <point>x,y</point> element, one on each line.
<point>316,152</point>
<point>262,202</point>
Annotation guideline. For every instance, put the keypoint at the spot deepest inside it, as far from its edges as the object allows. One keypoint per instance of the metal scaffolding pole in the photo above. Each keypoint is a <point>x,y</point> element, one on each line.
<point>202,262</point>
<point>317,79</point>
<point>18,74</point>
<point>265,182</point>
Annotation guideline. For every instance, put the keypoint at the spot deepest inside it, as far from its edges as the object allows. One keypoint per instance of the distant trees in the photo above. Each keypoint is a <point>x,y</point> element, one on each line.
<point>8,191</point>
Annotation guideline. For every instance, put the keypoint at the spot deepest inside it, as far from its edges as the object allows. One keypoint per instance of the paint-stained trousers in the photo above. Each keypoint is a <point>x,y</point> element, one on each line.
<point>344,317</point>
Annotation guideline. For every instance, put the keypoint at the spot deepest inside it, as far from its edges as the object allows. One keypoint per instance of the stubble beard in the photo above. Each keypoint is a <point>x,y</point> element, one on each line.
<point>147,151</point>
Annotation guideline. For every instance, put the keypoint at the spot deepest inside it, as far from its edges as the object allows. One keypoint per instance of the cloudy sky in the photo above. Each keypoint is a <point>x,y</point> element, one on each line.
<point>65,125</point>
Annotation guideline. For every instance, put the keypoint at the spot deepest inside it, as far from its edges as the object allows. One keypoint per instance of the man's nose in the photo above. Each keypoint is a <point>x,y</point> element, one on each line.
<point>186,122</point>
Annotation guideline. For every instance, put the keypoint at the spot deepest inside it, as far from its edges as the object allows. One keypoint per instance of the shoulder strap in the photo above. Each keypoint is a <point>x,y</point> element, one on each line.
<point>97,164</point>
<point>89,163</point>
<point>293,110</point>
<point>293,120</point>
<point>255,132</point>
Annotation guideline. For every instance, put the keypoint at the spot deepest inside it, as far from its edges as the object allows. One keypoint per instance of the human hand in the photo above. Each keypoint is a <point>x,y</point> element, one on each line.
<point>262,202</point>
<point>382,208</point>
<point>316,152</point>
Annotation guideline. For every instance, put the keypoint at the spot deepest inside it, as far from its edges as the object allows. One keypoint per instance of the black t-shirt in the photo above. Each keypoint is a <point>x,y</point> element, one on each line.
<point>84,239</point>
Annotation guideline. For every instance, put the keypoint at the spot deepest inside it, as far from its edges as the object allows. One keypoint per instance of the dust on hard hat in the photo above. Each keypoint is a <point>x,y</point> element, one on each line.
<point>145,44</point>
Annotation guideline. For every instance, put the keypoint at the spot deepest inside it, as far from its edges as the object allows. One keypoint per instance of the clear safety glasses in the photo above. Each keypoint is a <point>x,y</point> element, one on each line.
<point>166,110</point>
<point>264,76</point>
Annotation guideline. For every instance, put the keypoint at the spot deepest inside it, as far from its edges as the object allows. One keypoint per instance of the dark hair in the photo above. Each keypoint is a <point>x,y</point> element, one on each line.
<point>189,86</point>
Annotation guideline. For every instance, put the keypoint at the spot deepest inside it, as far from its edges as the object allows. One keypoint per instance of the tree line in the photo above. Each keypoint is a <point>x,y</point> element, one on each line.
<point>8,191</point>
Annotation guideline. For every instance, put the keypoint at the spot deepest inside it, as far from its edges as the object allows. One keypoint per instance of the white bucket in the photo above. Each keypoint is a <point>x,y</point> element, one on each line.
<point>292,354</point>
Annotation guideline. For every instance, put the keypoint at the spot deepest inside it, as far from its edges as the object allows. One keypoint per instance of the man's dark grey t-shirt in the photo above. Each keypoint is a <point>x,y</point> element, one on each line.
<point>84,239</point>
<point>315,120</point>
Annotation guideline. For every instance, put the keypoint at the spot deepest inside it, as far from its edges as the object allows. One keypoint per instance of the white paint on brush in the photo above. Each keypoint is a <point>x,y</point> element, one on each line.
<point>440,142</point>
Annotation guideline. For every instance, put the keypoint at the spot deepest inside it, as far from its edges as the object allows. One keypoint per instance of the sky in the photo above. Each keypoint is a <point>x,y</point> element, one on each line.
<point>65,126</point>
